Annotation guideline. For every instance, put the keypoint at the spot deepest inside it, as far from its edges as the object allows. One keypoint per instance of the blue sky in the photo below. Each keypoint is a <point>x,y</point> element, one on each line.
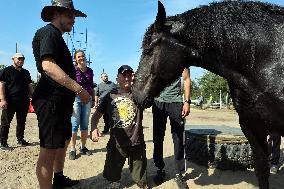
<point>115,30</point>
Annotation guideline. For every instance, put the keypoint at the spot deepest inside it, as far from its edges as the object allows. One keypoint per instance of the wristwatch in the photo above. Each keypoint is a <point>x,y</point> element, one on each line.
<point>187,101</point>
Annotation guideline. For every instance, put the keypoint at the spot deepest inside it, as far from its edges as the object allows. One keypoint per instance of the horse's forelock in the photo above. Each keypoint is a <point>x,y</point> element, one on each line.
<point>151,30</point>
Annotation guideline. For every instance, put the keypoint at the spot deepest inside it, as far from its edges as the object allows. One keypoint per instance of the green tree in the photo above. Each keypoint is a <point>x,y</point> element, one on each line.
<point>34,83</point>
<point>194,89</point>
<point>2,66</point>
<point>211,83</point>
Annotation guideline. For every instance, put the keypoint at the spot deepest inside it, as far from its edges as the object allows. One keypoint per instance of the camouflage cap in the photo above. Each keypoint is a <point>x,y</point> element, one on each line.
<point>48,11</point>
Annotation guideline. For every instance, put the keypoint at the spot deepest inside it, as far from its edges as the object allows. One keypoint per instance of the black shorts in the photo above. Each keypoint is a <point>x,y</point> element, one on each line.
<point>54,121</point>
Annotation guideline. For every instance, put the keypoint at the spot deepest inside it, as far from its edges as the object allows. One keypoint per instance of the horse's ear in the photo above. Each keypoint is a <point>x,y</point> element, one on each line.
<point>160,18</point>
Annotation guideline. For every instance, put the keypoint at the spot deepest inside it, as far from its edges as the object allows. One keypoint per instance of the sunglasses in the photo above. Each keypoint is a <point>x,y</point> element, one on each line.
<point>69,14</point>
<point>21,58</point>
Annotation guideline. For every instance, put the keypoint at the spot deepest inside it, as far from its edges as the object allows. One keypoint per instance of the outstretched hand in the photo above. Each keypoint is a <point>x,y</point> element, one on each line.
<point>95,134</point>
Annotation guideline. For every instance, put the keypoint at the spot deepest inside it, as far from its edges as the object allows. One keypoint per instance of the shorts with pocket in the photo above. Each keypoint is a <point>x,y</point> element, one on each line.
<point>54,122</point>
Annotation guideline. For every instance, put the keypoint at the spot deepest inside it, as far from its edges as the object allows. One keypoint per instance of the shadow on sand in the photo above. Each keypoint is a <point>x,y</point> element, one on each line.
<point>200,175</point>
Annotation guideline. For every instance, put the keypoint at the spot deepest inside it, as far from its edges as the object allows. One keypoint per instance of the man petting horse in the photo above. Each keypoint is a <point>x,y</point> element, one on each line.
<point>170,104</point>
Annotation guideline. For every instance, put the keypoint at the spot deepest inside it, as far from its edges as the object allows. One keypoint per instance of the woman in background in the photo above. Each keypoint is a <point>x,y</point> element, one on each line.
<point>81,112</point>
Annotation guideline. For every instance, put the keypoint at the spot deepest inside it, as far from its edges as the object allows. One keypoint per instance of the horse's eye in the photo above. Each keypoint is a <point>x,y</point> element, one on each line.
<point>147,51</point>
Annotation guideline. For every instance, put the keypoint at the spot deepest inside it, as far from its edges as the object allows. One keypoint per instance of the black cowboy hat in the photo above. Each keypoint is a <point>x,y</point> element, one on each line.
<point>47,11</point>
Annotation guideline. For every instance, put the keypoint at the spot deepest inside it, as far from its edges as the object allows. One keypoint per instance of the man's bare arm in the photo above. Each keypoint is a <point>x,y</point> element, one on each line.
<point>95,119</point>
<point>186,83</point>
<point>57,74</point>
<point>95,133</point>
<point>96,101</point>
<point>2,91</point>
<point>3,102</point>
<point>186,87</point>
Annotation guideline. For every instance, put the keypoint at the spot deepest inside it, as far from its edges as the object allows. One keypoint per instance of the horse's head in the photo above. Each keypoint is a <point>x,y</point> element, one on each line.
<point>163,58</point>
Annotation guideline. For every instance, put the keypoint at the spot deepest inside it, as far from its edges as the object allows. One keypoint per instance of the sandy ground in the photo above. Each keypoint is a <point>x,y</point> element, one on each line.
<point>17,167</point>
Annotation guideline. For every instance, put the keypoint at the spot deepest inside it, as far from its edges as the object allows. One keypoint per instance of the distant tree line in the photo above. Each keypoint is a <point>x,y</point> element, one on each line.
<point>210,83</point>
<point>207,84</point>
<point>2,66</point>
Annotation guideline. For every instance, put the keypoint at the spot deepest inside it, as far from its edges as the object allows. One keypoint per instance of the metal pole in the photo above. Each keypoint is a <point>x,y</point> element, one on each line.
<point>184,152</point>
<point>220,99</point>
<point>89,59</point>
<point>86,37</point>
<point>227,99</point>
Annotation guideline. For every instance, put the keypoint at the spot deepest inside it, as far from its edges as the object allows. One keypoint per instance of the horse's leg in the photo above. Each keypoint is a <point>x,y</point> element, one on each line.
<point>257,140</point>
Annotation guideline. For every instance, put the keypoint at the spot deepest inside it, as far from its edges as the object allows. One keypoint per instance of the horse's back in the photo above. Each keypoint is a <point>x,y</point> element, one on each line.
<point>249,37</point>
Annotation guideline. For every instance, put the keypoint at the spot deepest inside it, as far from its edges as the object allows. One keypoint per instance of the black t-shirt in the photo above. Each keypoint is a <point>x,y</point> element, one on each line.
<point>48,42</point>
<point>125,118</point>
<point>16,83</point>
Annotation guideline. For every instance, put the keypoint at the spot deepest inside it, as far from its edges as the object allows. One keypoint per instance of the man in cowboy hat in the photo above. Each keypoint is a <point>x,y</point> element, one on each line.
<point>55,93</point>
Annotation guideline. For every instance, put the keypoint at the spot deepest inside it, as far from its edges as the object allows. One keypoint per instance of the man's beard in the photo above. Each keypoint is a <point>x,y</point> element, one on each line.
<point>65,28</point>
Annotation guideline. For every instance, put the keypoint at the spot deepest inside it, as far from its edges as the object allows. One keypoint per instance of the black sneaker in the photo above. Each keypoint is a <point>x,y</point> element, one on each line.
<point>4,146</point>
<point>85,151</point>
<point>23,142</point>
<point>159,177</point>
<point>143,185</point>
<point>64,181</point>
<point>114,185</point>
<point>181,182</point>
<point>274,169</point>
<point>72,155</point>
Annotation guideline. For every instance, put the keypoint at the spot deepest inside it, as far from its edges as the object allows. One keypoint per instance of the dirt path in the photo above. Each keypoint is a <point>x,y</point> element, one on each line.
<point>17,167</point>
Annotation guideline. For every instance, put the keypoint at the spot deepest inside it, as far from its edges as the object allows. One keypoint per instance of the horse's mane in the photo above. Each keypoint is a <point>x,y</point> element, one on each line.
<point>228,19</point>
<point>209,24</point>
<point>147,36</point>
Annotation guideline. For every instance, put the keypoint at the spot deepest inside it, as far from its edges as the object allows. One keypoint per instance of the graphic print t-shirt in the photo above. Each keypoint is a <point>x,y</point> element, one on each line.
<point>125,118</point>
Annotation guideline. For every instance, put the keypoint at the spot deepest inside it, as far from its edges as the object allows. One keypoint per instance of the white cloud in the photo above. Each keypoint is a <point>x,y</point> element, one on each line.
<point>94,47</point>
<point>5,57</point>
<point>3,53</point>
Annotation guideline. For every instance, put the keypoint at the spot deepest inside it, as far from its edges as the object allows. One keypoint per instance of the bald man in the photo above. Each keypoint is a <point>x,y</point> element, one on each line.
<point>102,89</point>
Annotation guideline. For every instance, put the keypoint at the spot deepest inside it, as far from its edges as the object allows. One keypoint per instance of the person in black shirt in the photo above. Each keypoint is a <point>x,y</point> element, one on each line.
<point>126,132</point>
<point>15,92</point>
<point>55,93</point>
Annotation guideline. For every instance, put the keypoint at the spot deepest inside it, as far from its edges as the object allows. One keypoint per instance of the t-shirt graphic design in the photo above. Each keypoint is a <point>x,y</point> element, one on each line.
<point>123,112</point>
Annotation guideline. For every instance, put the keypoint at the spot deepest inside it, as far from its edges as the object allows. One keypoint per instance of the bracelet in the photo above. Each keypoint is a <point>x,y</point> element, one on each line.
<point>187,101</point>
<point>78,92</point>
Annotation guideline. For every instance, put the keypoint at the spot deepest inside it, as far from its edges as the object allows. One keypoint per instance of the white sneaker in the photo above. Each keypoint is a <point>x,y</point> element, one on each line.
<point>274,169</point>
<point>114,185</point>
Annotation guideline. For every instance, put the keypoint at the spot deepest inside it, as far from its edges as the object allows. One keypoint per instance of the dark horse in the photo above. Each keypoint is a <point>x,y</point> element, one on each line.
<point>240,41</point>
